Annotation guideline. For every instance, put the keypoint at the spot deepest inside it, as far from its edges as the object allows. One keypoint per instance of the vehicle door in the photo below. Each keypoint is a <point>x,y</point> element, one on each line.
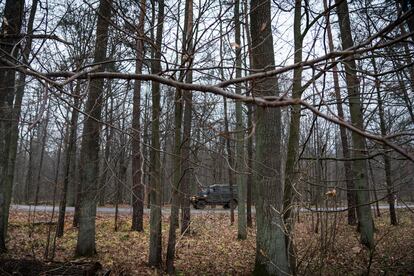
<point>225,194</point>
<point>213,195</point>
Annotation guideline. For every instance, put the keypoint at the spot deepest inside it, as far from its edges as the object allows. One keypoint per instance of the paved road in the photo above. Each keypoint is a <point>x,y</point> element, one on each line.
<point>166,210</point>
<point>109,210</point>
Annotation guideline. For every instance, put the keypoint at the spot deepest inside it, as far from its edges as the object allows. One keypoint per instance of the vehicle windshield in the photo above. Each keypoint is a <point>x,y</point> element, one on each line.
<point>203,192</point>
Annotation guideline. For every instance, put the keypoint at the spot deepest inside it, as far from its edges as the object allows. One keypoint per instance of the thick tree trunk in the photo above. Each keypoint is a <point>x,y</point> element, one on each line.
<point>89,169</point>
<point>12,23</point>
<point>271,257</point>
<point>366,224</point>
<point>137,184</point>
<point>155,249</point>
<point>16,113</point>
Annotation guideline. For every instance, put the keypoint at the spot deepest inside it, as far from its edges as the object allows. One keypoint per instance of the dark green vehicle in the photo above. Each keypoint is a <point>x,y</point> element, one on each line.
<point>217,194</point>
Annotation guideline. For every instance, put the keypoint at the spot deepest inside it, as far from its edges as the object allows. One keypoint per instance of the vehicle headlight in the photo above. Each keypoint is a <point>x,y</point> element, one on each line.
<point>204,195</point>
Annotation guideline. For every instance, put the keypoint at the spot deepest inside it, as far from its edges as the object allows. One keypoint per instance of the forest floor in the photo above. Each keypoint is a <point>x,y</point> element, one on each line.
<point>212,247</point>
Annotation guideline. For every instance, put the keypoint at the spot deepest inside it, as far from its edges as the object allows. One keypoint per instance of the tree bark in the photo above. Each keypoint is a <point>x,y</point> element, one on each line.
<point>188,111</point>
<point>12,23</point>
<point>366,224</point>
<point>271,258</point>
<point>239,154</point>
<point>249,179</point>
<point>155,249</point>
<point>137,184</point>
<point>16,113</point>
<point>294,135</point>
<point>89,169</point>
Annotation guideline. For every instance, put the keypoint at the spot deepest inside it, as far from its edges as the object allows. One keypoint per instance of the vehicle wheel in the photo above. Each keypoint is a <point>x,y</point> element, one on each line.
<point>201,204</point>
<point>233,203</point>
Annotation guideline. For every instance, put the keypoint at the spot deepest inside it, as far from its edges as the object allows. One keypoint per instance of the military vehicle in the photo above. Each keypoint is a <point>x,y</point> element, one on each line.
<point>217,194</point>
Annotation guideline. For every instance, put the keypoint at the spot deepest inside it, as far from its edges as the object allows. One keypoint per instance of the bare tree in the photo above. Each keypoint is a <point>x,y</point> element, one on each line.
<point>137,183</point>
<point>271,257</point>
<point>90,141</point>
<point>11,25</point>
<point>155,249</point>
<point>239,154</point>
<point>366,224</point>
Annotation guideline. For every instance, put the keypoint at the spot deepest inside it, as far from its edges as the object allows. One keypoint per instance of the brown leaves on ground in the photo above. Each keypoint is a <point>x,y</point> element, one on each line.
<point>212,247</point>
<point>337,251</point>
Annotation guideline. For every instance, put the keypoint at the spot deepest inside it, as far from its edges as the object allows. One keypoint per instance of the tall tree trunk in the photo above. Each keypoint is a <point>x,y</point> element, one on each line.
<point>137,184</point>
<point>12,23</point>
<point>188,110</point>
<point>271,258</point>
<point>186,161</point>
<point>16,113</point>
<point>89,169</point>
<point>177,173</point>
<point>294,135</point>
<point>70,160</point>
<point>239,155</point>
<point>155,249</point>
<point>250,125</point>
<point>350,193</point>
<point>366,224</point>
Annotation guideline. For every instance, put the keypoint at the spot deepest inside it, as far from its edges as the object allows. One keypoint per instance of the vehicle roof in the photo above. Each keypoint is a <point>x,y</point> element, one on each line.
<point>222,185</point>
